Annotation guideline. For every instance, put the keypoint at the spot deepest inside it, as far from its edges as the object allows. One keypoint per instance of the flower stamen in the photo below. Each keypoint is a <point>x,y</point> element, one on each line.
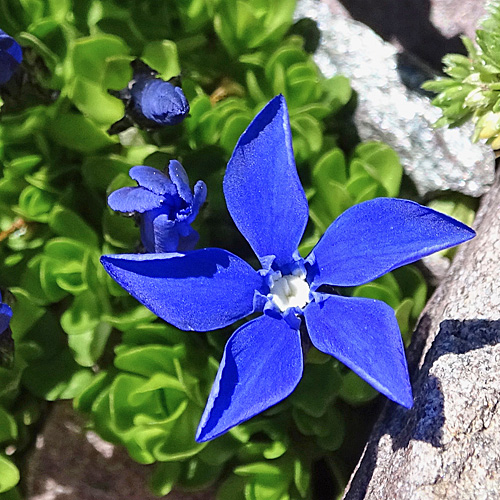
<point>288,291</point>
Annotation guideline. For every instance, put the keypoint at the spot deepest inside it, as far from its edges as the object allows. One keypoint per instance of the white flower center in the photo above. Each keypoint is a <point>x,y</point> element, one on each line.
<point>289,291</point>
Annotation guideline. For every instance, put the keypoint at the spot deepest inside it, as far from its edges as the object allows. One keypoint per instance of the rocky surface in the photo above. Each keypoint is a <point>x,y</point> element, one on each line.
<point>429,29</point>
<point>70,462</point>
<point>392,109</point>
<point>448,445</point>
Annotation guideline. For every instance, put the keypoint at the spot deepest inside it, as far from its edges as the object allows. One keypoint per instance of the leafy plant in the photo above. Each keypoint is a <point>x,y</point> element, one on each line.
<point>78,335</point>
<point>472,90</point>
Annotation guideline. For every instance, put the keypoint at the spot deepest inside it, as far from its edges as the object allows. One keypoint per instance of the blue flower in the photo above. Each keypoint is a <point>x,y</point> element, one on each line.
<point>211,288</point>
<point>11,56</point>
<point>166,207</point>
<point>6,342</point>
<point>5,316</point>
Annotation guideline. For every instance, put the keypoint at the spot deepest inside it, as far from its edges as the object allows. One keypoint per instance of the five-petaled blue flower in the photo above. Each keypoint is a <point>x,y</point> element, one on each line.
<point>211,288</point>
<point>165,205</point>
<point>11,56</point>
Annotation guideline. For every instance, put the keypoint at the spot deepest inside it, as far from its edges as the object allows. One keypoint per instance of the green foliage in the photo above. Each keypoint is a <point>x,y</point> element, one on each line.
<point>373,170</point>
<point>78,335</point>
<point>471,92</point>
<point>458,206</point>
<point>244,25</point>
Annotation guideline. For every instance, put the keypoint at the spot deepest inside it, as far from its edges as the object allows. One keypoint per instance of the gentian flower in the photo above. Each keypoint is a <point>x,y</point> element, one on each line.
<point>150,102</point>
<point>164,205</point>
<point>5,316</point>
<point>6,342</point>
<point>300,298</point>
<point>11,56</point>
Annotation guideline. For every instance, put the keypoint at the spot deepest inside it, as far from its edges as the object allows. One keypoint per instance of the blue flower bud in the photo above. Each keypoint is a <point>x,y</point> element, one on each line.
<point>159,101</point>
<point>150,102</point>
<point>11,55</point>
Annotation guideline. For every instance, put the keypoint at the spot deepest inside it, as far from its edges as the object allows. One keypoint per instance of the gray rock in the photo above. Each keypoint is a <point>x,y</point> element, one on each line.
<point>448,445</point>
<point>429,29</point>
<point>388,111</point>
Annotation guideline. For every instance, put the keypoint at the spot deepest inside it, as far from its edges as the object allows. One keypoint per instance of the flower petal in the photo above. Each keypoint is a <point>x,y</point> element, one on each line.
<point>377,236</point>
<point>200,290</point>
<point>5,316</point>
<point>200,195</point>
<point>11,47</point>
<point>153,179</point>
<point>134,199</point>
<point>180,179</point>
<point>262,189</point>
<point>364,335</point>
<point>188,241</point>
<point>11,56</point>
<point>172,236</point>
<point>261,365</point>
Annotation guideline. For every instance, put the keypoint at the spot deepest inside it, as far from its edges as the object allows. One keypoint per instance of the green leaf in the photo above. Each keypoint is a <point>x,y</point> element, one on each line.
<point>335,437</point>
<point>48,279</point>
<point>164,477</point>
<point>403,315</point>
<point>196,474</point>
<point>150,359</point>
<point>330,166</point>
<point>313,398</point>
<point>117,73</point>
<point>162,56</point>
<point>9,474</point>
<point>83,315</point>
<point>310,131</point>
<point>87,347</point>
<point>23,165</point>
<point>78,133</point>
<point>383,164</point>
<point>69,224</point>
<point>8,426</point>
<point>254,88</point>
<point>181,445</point>
<point>412,285</point>
<point>355,390</point>
<point>120,231</point>
<point>269,481</point>
<point>220,450</point>
<point>25,313</point>
<point>378,292</point>
<point>99,171</point>
<point>233,128</point>
<point>338,92</point>
<point>35,204</point>
<point>90,55</point>
<point>137,316</point>
<point>85,399</point>
<point>58,378</point>
<point>94,101</point>
<point>302,477</point>
<point>233,488</point>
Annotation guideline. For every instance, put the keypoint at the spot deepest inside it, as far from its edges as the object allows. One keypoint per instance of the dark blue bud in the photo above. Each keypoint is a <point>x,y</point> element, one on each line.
<point>159,101</point>
<point>11,55</point>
